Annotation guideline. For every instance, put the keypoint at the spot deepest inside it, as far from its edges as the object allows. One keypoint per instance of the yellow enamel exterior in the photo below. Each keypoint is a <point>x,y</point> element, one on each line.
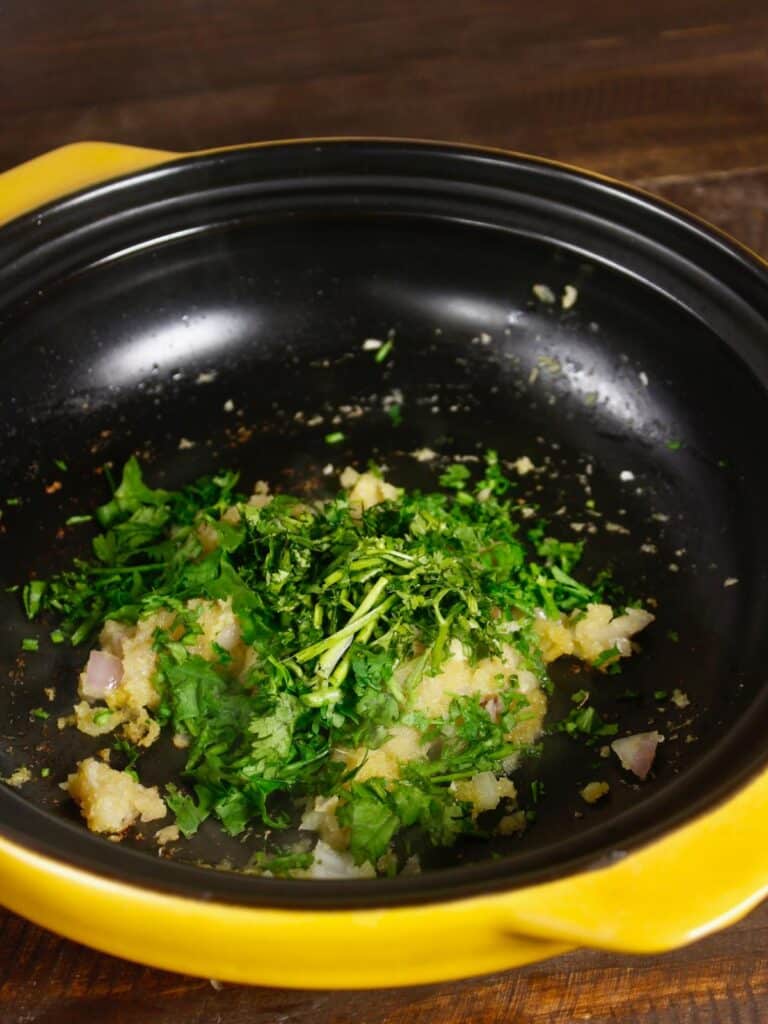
<point>699,878</point>
<point>69,169</point>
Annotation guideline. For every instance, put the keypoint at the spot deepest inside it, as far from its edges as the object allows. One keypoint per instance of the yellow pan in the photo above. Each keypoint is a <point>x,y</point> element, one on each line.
<point>695,879</point>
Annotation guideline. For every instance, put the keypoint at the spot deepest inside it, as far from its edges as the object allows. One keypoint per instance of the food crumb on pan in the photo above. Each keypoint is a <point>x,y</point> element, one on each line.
<point>169,834</point>
<point>594,791</point>
<point>424,454</point>
<point>616,528</point>
<point>523,465</point>
<point>19,777</point>
<point>544,294</point>
<point>110,800</point>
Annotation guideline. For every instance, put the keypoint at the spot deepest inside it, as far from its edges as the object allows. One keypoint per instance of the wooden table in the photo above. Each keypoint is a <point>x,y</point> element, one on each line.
<point>672,94</point>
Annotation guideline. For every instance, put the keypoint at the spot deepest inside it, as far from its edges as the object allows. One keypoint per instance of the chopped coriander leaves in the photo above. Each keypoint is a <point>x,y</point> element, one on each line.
<point>127,751</point>
<point>292,642</point>
<point>382,352</point>
<point>395,413</point>
<point>455,477</point>
<point>335,437</point>
<point>61,464</point>
<point>30,643</point>
<point>75,520</point>
<point>586,721</point>
<point>280,864</point>
<point>32,596</point>
<point>40,713</point>
<point>606,657</point>
<point>674,445</point>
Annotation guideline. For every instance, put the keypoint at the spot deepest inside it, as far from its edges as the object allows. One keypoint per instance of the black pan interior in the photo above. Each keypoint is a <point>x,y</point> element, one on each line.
<point>134,316</point>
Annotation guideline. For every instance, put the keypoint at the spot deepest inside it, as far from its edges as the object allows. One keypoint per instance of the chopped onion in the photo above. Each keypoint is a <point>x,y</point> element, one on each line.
<point>486,795</point>
<point>637,752</point>
<point>494,705</point>
<point>229,636</point>
<point>329,863</point>
<point>102,675</point>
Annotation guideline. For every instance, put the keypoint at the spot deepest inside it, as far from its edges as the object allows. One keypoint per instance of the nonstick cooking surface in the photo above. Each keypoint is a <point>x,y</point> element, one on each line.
<point>212,314</point>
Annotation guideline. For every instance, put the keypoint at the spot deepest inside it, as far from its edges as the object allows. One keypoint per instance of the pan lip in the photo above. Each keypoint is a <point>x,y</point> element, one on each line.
<point>620,191</point>
<point>625,188</point>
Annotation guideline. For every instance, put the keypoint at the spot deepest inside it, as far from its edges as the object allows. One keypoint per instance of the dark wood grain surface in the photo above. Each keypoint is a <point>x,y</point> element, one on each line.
<point>672,94</point>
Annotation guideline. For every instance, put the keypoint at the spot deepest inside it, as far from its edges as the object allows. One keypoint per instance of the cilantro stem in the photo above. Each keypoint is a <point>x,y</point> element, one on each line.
<point>340,672</point>
<point>370,598</point>
<point>335,646</point>
<point>326,695</point>
<point>438,648</point>
<point>417,671</point>
<point>33,595</point>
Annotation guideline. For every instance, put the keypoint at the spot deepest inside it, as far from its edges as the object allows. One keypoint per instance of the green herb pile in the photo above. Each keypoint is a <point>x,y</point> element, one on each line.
<point>331,601</point>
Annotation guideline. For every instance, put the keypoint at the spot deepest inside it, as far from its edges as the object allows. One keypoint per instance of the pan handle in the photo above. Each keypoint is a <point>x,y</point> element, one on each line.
<point>69,169</point>
<point>701,877</point>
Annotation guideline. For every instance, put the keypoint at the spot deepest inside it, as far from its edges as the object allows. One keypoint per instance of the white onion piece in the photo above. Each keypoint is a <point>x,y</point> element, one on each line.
<point>486,795</point>
<point>637,752</point>
<point>102,675</point>
<point>331,864</point>
<point>494,705</point>
<point>229,636</point>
